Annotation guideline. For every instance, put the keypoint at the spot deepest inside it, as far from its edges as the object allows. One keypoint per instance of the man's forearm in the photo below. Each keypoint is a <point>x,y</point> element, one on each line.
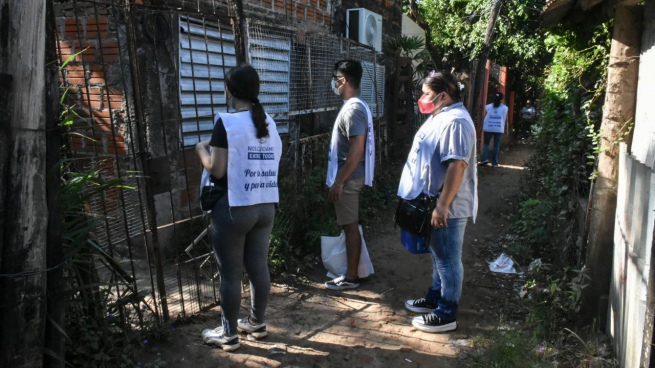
<point>348,167</point>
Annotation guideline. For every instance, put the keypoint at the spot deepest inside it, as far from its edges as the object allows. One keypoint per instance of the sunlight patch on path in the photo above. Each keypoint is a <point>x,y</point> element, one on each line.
<point>353,318</point>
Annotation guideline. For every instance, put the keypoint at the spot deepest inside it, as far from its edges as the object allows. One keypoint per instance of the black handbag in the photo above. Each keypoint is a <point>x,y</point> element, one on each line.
<point>415,215</point>
<point>209,195</point>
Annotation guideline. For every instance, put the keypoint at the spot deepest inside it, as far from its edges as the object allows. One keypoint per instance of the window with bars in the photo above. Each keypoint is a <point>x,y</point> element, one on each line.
<point>303,80</point>
<point>207,52</point>
<point>295,73</point>
<point>270,55</point>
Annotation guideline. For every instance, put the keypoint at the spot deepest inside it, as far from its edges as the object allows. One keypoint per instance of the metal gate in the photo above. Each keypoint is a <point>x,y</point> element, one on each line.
<point>146,83</point>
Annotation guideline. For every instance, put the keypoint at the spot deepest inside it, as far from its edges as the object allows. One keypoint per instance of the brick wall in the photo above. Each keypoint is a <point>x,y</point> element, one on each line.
<point>93,86</point>
<point>316,14</point>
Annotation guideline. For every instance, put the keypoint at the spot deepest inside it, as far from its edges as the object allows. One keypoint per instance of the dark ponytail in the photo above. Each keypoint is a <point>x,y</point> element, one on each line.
<point>259,117</point>
<point>243,83</point>
<point>497,98</point>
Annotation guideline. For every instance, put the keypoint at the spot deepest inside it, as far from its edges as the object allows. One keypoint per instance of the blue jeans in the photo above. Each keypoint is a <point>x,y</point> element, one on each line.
<point>447,269</point>
<point>485,151</point>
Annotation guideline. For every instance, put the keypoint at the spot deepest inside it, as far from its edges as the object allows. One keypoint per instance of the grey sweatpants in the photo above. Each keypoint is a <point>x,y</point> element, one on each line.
<point>240,237</point>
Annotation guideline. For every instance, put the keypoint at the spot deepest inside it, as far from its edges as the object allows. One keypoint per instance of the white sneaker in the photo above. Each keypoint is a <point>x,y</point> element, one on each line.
<point>217,337</point>
<point>433,323</point>
<point>257,331</point>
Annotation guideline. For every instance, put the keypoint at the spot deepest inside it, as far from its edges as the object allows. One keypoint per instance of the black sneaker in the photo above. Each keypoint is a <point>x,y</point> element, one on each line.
<point>432,323</point>
<point>341,283</point>
<point>484,163</point>
<point>257,331</point>
<point>420,305</point>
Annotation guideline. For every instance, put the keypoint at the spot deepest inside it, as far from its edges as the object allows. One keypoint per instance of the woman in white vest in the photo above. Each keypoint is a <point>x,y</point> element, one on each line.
<point>494,126</point>
<point>442,162</point>
<point>244,159</point>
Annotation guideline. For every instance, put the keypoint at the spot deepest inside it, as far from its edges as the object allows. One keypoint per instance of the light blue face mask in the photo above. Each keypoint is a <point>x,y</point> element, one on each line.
<point>335,89</point>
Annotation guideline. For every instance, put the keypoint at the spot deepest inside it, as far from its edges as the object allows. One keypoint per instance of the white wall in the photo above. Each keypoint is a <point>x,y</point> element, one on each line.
<point>410,28</point>
<point>643,143</point>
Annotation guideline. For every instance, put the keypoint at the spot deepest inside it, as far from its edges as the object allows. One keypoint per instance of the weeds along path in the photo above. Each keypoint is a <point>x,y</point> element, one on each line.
<point>369,327</point>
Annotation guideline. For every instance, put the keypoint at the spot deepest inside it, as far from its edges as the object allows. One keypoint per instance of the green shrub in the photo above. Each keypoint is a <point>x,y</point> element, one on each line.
<point>107,320</point>
<point>566,141</point>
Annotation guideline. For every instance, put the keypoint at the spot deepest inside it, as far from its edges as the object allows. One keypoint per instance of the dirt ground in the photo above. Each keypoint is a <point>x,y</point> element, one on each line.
<point>310,326</point>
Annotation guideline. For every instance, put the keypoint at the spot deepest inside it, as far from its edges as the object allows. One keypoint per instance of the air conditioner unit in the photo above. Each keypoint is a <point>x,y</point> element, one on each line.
<point>365,27</point>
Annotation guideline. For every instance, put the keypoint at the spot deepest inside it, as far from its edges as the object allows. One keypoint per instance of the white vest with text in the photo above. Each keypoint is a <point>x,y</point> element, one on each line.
<point>252,164</point>
<point>494,122</point>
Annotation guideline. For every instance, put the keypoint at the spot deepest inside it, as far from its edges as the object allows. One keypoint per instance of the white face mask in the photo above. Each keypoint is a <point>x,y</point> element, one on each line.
<point>335,89</point>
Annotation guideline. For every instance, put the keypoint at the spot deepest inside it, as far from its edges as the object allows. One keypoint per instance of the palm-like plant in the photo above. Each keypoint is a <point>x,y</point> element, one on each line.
<point>413,47</point>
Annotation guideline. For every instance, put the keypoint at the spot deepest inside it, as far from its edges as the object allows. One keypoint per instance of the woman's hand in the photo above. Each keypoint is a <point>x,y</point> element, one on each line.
<point>439,216</point>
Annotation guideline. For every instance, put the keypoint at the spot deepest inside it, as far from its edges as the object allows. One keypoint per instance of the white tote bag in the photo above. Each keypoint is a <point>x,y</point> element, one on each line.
<point>335,260</point>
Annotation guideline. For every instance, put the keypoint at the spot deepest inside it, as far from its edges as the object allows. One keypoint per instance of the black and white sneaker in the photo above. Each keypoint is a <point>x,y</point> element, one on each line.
<point>341,283</point>
<point>420,305</point>
<point>484,163</point>
<point>218,338</point>
<point>433,323</point>
<point>257,331</point>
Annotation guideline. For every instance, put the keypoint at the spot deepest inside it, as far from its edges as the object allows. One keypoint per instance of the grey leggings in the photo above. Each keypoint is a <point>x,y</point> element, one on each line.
<point>240,237</point>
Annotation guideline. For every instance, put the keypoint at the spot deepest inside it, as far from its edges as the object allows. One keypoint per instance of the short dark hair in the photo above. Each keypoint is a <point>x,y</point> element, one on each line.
<point>443,81</point>
<point>351,69</point>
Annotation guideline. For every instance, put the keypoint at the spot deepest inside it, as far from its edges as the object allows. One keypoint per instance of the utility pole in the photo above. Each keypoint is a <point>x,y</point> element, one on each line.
<point>478,91</point>
<point>23,190</point>
<point>618,111</point>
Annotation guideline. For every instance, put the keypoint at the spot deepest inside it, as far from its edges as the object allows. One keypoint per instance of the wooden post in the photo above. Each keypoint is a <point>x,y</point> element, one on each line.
<point>618,111</point>
<point>54,340</point>
<point>22,296</point>
<point>239,28</point>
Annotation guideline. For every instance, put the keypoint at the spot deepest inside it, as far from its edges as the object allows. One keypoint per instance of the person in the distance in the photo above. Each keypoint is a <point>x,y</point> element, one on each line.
<point>495,121</point>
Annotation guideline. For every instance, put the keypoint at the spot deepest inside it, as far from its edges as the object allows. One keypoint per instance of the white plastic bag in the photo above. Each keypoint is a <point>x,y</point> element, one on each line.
<point>502,264</point>
<point>335,260</point>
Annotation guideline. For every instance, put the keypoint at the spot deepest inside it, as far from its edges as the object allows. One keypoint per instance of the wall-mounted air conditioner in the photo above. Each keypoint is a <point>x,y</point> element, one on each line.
<point>365,27</point>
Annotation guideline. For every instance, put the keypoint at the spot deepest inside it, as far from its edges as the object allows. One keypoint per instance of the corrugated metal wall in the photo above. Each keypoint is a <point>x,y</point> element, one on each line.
<point>206,53</point>
<point>633,241</point>
<point>643,142</point>
<point>374,98</point>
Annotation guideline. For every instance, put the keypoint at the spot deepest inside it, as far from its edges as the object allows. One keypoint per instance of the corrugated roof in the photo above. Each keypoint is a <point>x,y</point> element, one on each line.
<point>555,11</point>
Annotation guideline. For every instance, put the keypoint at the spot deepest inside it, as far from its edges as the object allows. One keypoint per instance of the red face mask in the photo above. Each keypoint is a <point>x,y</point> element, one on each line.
<point>425,105</point>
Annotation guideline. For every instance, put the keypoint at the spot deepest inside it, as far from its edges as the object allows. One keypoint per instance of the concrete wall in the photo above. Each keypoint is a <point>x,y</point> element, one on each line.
<point>410,28</point>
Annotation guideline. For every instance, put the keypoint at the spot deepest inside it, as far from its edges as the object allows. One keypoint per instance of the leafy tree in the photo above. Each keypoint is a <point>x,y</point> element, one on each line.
<point>457,29</point>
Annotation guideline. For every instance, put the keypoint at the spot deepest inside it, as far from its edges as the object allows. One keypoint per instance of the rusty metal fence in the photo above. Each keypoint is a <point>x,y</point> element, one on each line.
<point>145,84</point>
